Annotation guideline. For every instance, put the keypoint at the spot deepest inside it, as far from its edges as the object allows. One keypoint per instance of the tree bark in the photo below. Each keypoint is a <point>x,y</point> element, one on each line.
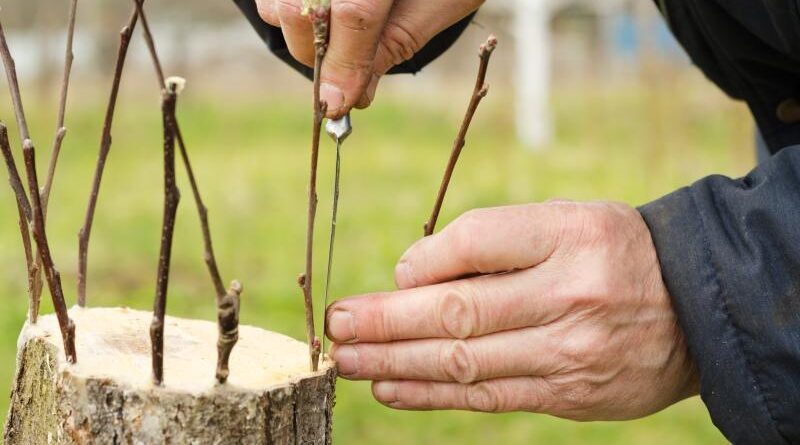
<point>107,398</point>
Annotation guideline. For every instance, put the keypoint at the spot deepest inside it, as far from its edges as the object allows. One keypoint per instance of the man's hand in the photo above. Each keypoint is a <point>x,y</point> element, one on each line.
<point>556,308</point>
<point>367,38</point>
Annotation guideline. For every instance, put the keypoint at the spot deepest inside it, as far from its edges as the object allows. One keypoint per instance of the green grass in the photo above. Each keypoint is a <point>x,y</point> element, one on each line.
<point>250,154</point>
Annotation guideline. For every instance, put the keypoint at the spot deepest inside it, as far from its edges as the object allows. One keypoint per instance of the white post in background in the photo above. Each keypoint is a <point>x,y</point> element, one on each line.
<point>531,26</point>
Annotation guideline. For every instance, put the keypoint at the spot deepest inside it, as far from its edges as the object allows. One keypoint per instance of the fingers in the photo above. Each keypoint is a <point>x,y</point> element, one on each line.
<point>296,30</point>
<point>484,241</point>
<point>267,11</point>
<point>356,28</point>
<point>532,394</point>
<point>505,354</point>
<point>460,309</point>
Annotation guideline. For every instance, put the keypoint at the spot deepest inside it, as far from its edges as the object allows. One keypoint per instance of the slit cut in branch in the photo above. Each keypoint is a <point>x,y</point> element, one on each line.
<point>319,13</point>
<point>105,147</point>
<point>480,91</point>
<point>51,274</point>
<point>171,199</point>
<point>228,303</point>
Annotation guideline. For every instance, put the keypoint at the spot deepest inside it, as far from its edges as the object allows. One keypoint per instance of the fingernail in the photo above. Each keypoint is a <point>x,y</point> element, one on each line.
<point>333,96</point>
<point>346,358</point>
<point>404,276</point>
<point>385,392</point>
<point>341,326</point>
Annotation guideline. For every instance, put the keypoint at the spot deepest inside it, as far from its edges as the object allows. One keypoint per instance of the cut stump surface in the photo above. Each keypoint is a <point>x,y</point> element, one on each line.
<point>108,396</point>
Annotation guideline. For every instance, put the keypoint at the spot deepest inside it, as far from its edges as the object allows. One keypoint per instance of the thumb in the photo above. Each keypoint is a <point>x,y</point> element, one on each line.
<point>356,28</point>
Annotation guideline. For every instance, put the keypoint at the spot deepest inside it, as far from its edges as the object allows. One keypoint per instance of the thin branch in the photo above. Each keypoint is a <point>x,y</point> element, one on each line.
<point>480,91</point>
<point>24,213</point>
<point>50,272</point>
<point>228,319</point>
<point>13,85</point>
<point>319,14</point>
<point>61,131</point>
<point>33,262</point>
<point>202,210</point>
<point>171,200</point>
<point>105,147</point>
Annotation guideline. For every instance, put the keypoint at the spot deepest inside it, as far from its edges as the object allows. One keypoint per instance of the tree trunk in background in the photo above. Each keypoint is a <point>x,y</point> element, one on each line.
<point>107,398</point>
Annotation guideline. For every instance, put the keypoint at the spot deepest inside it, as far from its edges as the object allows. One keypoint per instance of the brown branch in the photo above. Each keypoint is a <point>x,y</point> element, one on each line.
<point>32,262</point>
<point>228,319</point>
<point>171,199</point>
<point>24,213</point>
<point>50,272</point>
<point>105,147</point>
<point>480,91</point>
<point>319,15</point>
<point>61,131</point>
<point>202,210</point>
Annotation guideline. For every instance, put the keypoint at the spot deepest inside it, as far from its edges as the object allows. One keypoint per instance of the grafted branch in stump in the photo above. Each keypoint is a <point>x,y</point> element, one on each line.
<point>105,147</point>
<point>51,274</point>
<point>319,13</point>
<point>480,91</point>
<point>228,303</point>
<point>171,199</point>
<point>25,217</point>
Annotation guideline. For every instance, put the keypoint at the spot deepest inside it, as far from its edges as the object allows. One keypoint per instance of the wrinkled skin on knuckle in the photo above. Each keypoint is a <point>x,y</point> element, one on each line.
<point>482,397</point>
<point>459,362</point>
<point>457,313</point>
<point>463,233</point>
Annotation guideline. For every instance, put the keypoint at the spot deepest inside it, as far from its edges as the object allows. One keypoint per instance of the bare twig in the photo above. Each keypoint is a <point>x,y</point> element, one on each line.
<point>105,147</point>
<point>228,303</point>
<point>24,213</point>
<point>50,272</point>
<point>32,262</point>
<point>318,12</point>
<point>228,318</point>
<point>480,91</point>
<point>171,199</point>
<point>202,210</point>
<point>61,131</point>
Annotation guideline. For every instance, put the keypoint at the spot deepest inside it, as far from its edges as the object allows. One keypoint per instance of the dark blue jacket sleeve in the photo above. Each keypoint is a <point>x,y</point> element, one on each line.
<point>730,256</point>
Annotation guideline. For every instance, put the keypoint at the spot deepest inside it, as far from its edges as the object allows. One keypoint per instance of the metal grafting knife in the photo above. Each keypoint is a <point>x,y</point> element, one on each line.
<point>338,130</point>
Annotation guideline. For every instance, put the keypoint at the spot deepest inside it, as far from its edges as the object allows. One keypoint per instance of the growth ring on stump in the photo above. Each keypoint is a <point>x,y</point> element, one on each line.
<point>108,396</point>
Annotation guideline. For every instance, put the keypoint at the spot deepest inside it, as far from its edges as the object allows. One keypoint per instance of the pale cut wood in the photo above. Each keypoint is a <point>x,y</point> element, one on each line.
<point>108,397</point>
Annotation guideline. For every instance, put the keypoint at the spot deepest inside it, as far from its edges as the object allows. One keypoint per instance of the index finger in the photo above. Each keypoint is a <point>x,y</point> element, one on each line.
<point>485,241</point>
<point>461,309</point>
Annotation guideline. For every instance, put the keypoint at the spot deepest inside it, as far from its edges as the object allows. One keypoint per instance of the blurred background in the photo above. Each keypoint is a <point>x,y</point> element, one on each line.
<point>589,100</point>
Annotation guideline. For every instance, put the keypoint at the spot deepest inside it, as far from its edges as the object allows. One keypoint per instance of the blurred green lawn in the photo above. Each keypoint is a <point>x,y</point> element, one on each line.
<point>629,143</point>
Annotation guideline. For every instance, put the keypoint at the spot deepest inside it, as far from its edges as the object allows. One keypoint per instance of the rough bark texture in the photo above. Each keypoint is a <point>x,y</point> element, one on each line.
<point>56,403</point>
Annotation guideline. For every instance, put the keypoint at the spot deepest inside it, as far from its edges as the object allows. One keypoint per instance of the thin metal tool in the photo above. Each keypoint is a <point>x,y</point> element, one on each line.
<point>338,130</point>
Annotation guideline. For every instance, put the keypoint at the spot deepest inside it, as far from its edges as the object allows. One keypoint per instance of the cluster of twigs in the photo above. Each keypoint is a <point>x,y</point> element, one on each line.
<point>32,207</point>
<point>319,13</point>
<point>480,91</point>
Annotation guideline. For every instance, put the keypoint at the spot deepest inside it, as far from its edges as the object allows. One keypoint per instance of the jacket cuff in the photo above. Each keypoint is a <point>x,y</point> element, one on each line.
<point>688,268</point>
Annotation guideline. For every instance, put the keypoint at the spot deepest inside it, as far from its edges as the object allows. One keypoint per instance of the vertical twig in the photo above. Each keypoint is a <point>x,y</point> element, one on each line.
<point>34,278</point>
<point>171,199</point>
<point>50,272</point>
<point>480,91</point>
<point>318,12</point>
<point>228,303</point>
<point>105,147</point>
<point>61,131</point>
<point>24,213</point>
<point>202,210</point>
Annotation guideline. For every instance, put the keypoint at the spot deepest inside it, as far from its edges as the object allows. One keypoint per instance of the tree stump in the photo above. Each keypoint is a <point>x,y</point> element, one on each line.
<point>108,397</point>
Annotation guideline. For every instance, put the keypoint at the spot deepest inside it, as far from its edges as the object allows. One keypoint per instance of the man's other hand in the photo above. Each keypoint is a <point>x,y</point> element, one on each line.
<point>367,38</point>
<point>555,308</point>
